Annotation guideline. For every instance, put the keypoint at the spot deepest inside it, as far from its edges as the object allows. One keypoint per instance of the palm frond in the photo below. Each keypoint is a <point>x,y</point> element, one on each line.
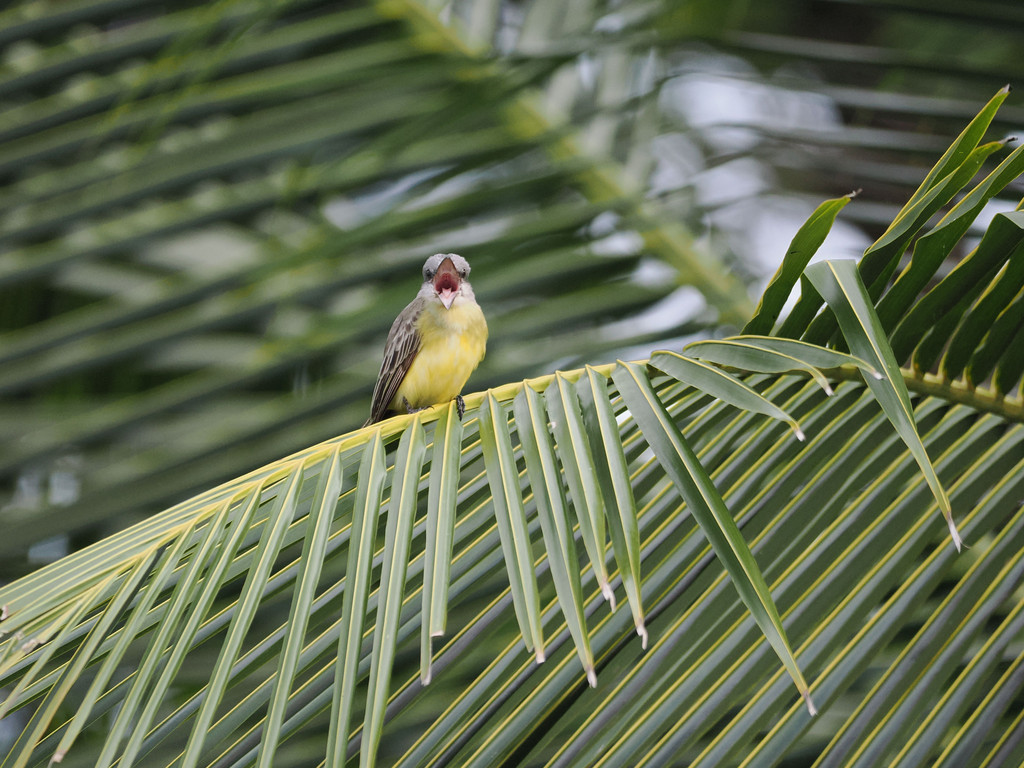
<point>271,519</point>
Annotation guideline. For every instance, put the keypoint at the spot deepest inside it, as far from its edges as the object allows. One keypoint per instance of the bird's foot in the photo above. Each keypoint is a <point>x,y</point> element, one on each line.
<point>409,408</point>
<point>460,406</point>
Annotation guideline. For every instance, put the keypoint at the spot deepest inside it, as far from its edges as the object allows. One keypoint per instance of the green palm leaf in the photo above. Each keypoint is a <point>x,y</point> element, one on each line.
<point>286,521</point>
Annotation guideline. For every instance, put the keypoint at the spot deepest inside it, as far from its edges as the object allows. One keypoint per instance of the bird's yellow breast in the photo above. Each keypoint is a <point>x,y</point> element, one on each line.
<point>452,344</point>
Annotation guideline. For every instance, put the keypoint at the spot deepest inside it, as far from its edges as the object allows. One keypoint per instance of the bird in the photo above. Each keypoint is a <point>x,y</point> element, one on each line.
<point>434,345</point>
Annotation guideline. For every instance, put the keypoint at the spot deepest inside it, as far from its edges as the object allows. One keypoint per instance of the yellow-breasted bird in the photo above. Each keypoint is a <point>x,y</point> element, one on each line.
<point>434,344</point>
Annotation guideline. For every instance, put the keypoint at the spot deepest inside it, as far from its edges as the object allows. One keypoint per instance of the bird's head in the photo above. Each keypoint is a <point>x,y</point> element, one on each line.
<point>445,276</point>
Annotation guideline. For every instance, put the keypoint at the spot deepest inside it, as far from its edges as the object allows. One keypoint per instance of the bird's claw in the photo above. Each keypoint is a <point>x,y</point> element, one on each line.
<point>409,408</point>
<point>460,406</point>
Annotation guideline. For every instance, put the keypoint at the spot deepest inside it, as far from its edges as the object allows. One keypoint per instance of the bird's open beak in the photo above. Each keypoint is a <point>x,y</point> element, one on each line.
<point>447,283</point>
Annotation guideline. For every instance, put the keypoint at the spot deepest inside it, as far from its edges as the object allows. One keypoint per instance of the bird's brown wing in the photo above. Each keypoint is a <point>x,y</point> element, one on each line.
<point>402,345</point>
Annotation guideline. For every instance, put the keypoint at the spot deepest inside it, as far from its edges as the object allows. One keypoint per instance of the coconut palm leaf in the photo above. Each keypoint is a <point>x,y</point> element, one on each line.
<point>705,689</point>
<point>264,518</point>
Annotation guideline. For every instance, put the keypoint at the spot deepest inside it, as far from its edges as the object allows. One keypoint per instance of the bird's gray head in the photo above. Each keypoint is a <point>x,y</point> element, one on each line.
<point>432,264</point>
<point>445,276</point>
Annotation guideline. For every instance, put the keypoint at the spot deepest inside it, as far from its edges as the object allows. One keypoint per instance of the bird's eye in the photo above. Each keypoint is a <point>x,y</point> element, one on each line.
<point>463,272</point>
<point>429,274</point>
